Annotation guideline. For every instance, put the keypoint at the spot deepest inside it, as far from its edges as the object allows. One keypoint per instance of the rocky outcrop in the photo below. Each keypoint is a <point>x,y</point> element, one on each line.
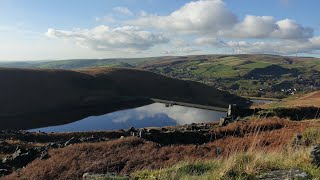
<point>186,134</point>
<point>21,157</point>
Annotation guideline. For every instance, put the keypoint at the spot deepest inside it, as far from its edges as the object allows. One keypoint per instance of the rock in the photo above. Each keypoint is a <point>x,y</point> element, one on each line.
<point>315,155</point>
<point>132,130</point>
<point>285,174</point>
<point>73,140</point>
<point>225,121</point>
<point>55,145</point>
<point>142,133</point>
<point>91,139</point>
<point>22,157</point>
<point>88,176</point>
<point>192,127</point>
<point>153,131</point>
<point>44,155</point>
<point>85,175</point>
<point>218,151</point>
<point>4,172</point>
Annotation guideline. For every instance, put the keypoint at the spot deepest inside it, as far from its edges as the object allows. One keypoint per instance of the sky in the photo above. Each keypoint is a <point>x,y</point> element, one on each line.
<point>59,29</point>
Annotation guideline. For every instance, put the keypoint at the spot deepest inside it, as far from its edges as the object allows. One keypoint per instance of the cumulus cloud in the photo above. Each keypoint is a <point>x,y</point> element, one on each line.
<point>267,27</point>
<point>206,22</point>
<point>204,16</point>
<point>279,47</point>
<point>105,38</point>
<point>253,27</point>
<point>123,10</point>
<point>180,114</point>
<point>212,17</point>
<point>290,29</point>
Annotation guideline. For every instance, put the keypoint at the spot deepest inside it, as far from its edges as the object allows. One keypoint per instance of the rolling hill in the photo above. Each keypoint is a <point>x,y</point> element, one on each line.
<point>260,75</point>
<point>33,98</point>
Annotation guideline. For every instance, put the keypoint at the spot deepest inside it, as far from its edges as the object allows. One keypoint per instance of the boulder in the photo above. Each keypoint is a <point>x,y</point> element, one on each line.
<point>225,121</point>
<point>55,145</point>
<point>73,140</point>
<point>22,157</point>
<point>132,130</point>
<point>44,155</point>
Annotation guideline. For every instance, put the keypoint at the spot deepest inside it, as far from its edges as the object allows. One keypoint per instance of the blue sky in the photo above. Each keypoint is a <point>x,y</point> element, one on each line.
<point>41,30</point>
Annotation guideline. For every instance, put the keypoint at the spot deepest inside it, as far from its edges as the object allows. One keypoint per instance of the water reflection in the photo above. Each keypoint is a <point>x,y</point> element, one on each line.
<point>153,115</point>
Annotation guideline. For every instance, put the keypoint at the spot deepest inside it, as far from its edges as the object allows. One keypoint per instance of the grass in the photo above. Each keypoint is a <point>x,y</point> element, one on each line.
<point>242,165</point>
<point>255,65</point>
<point>247,148</point>
<point>216,70</point>
<point>238,166</point>
<point>310,137</point>
<point>302,100</point>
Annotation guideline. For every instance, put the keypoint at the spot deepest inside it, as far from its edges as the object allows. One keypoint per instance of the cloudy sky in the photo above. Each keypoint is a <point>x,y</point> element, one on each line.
<point>60,29</point>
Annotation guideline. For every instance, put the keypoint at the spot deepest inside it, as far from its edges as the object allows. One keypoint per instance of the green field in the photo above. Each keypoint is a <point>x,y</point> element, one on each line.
<point>245,75</point>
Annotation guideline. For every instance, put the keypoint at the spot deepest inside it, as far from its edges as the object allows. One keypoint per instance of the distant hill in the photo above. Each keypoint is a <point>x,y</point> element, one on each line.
<point>258,75</point>
<point>76,63</point>
<point>245,75</point>
<point>33,97</point>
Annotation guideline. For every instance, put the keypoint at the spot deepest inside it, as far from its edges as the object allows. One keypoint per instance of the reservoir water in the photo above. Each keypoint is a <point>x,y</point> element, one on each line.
<point>153,115</point>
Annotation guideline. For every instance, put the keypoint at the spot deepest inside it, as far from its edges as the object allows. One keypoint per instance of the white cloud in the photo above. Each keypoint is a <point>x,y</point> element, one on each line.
<point>180,114</point>
<point>204,16</point>
<point>283,47</point>
<point>212,41</point>
<point>212,17</point>
<point>123,10</point>
<point>267,27</point>
<point>105,19</point>
<point>253,27</point>
<point>104,38</point>
<point>290,29</point>
<point>206,22</point>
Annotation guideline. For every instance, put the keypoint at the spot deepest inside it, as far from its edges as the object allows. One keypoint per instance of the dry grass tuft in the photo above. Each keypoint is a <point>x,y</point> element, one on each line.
<point>244,147</point>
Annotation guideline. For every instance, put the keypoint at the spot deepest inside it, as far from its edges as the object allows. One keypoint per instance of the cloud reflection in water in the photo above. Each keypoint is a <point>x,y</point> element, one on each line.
<point>153,115</point>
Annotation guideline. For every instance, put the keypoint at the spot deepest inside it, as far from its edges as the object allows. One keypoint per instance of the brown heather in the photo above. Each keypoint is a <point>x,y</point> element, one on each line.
<point>132,154</point>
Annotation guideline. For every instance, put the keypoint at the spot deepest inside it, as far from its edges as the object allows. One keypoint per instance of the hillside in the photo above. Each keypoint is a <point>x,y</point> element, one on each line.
<point>242,150</point>
<point>33,98</point>
<point>76,63</point>
<point>245,75</point>
<point>300,100</point>
<point>261,75</point>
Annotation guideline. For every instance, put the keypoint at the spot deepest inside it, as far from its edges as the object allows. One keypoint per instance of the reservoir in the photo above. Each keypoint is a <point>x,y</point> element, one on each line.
<point>153,115</point>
